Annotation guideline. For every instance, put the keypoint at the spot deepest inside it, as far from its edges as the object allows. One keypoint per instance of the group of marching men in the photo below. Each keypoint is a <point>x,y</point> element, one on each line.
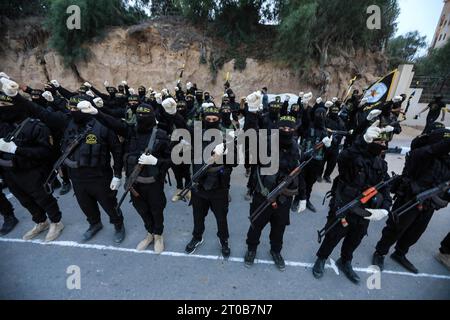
<point>94,137</point>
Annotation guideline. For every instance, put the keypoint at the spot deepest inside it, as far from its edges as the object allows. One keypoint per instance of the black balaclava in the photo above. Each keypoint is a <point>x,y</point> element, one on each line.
<point>189,102</point>
<point>199,96</point>
<point>145,118</point>
<point>182,108</point>
<point>319,118</point>
<point>225,113</point>
<point>376,149</point>
<point>78,116</point>
<point>295,110</point>
<point>211,111</point>
<point>141,92</point>
<point>9,112</point>
<point>121,88</point>
<point>274,110</point>
<point>112,91</point>
<point>36,97</point>
<point>133,102</point>
<point>333,112</point>
<point>232,97</point>
<point>286,138</point>
<point>207,97</point>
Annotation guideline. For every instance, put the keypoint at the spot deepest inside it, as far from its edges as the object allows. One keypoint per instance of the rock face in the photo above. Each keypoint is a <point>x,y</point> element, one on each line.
<point>153,53</point>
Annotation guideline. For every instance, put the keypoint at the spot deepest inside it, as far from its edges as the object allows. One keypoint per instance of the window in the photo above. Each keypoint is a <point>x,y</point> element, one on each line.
<point>440,37</point>
<point>445,35</point>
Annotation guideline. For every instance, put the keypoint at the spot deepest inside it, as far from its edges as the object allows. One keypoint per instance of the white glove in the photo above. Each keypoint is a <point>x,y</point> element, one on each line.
<point>9,87</point>
<point>327,142</point>
<point>165,92</point>
<point>376,214</point>
<point>148,160</point>
<point>328,104</point>
<point>373,114</point>
<point>220,150</point>
<point>48,96</point>
<point>301,206</point>
<point>87,84</point>
<point>176,89</point>
<point>55,83</point>
<point>124,83</point>
<point>115,184</point>
<point>231,134</point>
<point>90,93</point>
<point>98,102</point>
<point>189,85</point>
<point>158,98</point>
<point>8,147</point>
<point>87,107</point>
<point>131,91</point>
<point>106,83</point>
<point>372,132</point>
<point>4,75</point>
<point>387,129</point>
<point>319,100</point>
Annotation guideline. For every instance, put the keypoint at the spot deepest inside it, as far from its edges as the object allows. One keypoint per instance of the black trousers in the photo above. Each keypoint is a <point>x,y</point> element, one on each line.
<point>6,208</point>
<point>352,235</point>
<point>217,201</point>
<point>445,245</point>
<point>91,193</point>
<point>407,232</point>
<point>27,187</point>
<point>331,156</point>
<point>150,205</point>
<point>65,174</point>
<point>311,172</point>
<point>182,171</point>
<point>278,219</point>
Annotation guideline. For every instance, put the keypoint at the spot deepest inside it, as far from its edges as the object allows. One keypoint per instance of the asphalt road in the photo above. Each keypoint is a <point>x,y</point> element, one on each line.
<point>33,270</point>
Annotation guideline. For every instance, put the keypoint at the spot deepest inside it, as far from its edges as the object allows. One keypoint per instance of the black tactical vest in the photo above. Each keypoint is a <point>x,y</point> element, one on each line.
<point>135,146</point>
<point>92,151</point>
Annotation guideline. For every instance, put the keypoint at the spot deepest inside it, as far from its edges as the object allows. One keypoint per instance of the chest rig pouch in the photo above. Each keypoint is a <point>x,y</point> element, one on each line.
<point>92,151</point>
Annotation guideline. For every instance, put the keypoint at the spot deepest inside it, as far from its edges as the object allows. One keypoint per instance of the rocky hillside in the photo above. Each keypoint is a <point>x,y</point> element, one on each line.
<point>152,54</point>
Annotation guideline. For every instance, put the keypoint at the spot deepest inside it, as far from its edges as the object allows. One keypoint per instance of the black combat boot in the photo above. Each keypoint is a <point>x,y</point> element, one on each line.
<point>191,246</point>
<point>378,260</point>
<point>278,259</point>
<point>56,184</point>
<point>249,258</point>
<point>92,231</point>
<point>401,259</point>
<point>310,206</point>
<point>347,269</point>
<point>294,206</point>
<point>225,249</point>
<point>66,187</point>
<point>8,225</point>
<point>319,268</point>
<point>119,233</point>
